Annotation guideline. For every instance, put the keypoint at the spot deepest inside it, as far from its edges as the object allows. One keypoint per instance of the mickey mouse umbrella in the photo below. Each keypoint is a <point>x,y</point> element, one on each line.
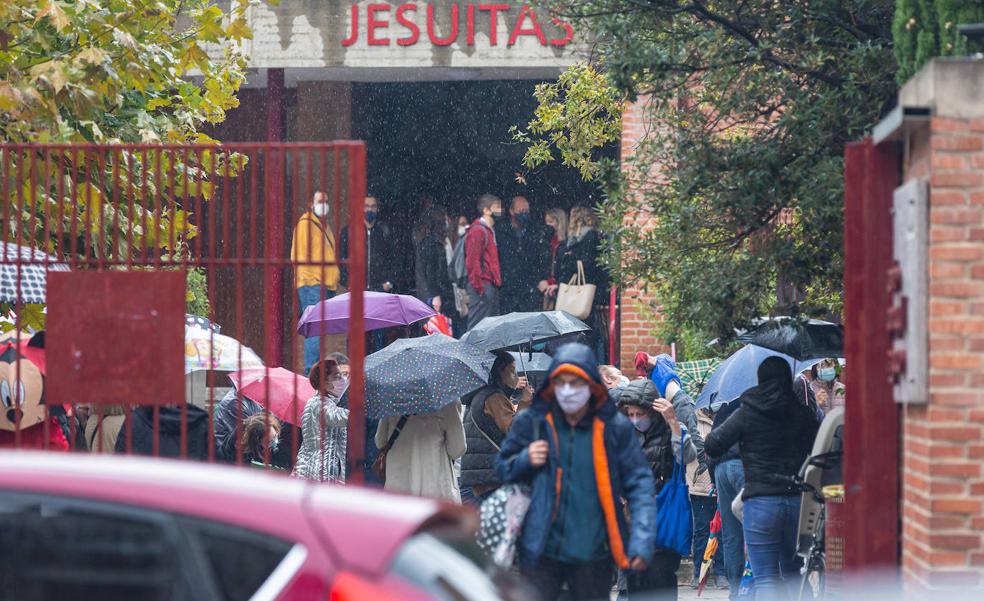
<point>422,375</point>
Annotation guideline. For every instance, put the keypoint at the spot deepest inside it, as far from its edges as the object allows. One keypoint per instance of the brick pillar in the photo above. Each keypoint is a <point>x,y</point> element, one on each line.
<point>640,315</point>
<point>943,449</point>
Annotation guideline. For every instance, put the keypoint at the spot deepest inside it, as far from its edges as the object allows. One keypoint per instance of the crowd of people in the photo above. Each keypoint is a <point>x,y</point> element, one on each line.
<point>601,453</point>
<point>466,269</point>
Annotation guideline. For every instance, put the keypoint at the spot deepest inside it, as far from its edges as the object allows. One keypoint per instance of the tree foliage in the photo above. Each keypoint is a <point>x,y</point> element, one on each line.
<point>114,71</point>
<point>748,105</point>
<point>924,29</point>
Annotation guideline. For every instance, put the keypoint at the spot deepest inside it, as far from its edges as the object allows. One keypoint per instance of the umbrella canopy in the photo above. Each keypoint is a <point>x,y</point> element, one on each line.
<point>800,339</point>
<point>206,350</point>
<point>538,365</point>
<point>515,330</point>
<point>695,374</point>
<point>24,273</point>
<point>196,321</point>
<point>739,372</point>
<point>421,375</point>
<point>281,391</point>
<point>381,310</point>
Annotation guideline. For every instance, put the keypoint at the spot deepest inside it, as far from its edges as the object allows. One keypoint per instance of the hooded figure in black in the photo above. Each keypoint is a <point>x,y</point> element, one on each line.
<point>661,437</point>
<point>169,432</point>
<point>774,433</point>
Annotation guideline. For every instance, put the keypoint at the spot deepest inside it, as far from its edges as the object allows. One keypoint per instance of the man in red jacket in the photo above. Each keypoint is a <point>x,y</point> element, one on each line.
<point>482,262</point>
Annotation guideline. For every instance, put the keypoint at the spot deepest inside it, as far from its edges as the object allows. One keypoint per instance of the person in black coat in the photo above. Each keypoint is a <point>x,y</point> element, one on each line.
<point>431,264</point>
<point>584,245</point>
<point>662,438</point>
<point>141,423</point>
<point>487,421</point>
<point>524,258</point>
<point>381,260</point>
<point>774,433</point>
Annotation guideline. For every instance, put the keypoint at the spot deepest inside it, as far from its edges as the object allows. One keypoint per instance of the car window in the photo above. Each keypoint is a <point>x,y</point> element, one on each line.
<point>61,549</point>
<point>443,571</point>
<point>240,560</point>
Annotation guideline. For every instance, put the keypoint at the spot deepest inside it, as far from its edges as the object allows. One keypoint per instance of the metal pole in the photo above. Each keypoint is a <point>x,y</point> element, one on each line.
<point>357,335</point>
<point>273,215</point>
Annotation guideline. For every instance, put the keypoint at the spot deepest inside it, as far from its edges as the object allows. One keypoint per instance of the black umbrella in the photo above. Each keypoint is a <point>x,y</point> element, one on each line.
<point>420,375</point>
<point>516,330</point>
<point>801,339</point>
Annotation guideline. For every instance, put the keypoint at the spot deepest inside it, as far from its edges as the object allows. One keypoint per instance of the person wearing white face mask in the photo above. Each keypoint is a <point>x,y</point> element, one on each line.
<point>661,437</point>
<point>581,458</point>
<point>324,434</point>
<point>316,272</point>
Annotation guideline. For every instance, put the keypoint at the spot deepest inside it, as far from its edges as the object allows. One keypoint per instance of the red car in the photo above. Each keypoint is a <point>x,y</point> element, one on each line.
<point>81,527</point>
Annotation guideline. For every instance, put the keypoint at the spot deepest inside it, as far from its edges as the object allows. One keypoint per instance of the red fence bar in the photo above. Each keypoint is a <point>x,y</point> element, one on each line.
<point>357,284</point>
<point>110,213</point>
<point>871,427</point>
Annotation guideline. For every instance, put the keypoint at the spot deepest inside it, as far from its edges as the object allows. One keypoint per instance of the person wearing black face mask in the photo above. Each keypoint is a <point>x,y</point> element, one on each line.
<point>380,250</point>
<point>524,254</point>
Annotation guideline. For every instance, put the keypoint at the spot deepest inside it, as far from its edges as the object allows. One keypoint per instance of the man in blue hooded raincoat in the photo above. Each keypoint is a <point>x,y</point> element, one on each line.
<point>581,457</point>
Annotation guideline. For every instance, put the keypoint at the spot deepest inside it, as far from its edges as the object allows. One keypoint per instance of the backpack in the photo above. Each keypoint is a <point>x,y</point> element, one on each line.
<point>456,268</point>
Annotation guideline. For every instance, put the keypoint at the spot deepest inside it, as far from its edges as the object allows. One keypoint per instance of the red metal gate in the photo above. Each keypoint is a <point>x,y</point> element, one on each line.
<point>117,231</point>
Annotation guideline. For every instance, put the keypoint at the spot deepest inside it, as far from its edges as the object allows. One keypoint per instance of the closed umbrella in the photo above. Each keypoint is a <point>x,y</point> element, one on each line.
<point>279,390</point>
<point>801,339</point>
<point>739,372</point>
<point>24,273</point>
<point>712,546</point>
<point>422,375</point>
<point>515,330</point>
<point>381,310</point>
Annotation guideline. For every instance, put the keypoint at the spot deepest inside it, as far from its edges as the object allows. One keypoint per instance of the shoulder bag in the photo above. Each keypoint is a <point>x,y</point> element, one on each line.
<point>577,296</point>
<point>379,465</point>
<point>674,524</point>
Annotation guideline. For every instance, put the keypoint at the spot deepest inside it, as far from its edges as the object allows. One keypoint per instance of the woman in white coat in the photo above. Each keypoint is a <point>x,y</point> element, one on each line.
<point>421,460</point>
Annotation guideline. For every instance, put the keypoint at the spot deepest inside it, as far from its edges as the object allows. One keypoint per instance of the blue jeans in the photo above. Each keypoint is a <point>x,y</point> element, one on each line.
<point>307,296</point>
<point>770,533</point>
<point>729,478</point>
<point>704,508</point>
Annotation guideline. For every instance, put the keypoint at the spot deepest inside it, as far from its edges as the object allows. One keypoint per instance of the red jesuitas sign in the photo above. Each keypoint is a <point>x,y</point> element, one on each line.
<point>404,25</point>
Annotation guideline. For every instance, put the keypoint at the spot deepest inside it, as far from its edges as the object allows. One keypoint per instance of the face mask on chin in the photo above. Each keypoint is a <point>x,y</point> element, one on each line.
<point>572,399</point>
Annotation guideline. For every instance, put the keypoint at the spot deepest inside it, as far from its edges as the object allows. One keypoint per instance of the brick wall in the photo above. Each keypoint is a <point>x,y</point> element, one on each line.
<point>943,481</point>
<point>639,313</point>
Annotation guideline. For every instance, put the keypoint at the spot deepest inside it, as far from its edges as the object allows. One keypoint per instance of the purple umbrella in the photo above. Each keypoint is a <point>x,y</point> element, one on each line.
<point>381,311</point>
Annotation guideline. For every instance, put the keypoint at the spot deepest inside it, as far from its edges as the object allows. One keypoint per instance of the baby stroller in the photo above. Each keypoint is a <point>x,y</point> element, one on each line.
<point>821,478</point>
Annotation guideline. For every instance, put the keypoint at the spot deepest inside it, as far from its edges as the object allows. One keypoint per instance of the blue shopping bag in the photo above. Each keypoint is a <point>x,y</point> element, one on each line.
<point>674,516</point>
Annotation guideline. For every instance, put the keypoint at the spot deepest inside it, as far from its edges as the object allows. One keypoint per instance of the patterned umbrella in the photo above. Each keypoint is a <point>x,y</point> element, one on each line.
<point>695,374</point>
<point>712,546</point>
<point>381,310</point>
<point>421,375</point>
<point>206,350</point>
<point>201,322</point>
<point>24,273</point>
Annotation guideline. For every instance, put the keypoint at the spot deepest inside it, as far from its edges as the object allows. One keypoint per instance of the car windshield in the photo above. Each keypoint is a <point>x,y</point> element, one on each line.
<point>446,567</point>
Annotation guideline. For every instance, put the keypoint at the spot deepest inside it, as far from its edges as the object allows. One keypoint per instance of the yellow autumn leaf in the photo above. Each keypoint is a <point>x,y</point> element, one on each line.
<point>59,20</point>
<point>93,56</point>
<point>239,29</point>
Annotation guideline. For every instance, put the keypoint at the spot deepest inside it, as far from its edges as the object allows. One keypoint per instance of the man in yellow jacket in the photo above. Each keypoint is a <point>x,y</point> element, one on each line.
<point>316,271</point>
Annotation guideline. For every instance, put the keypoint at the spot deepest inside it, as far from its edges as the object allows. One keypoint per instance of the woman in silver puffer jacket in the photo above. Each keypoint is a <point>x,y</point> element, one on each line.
<point>321,457</point>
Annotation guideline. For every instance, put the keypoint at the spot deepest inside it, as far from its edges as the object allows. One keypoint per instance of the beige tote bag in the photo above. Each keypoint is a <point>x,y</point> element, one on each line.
<point>577,296</point>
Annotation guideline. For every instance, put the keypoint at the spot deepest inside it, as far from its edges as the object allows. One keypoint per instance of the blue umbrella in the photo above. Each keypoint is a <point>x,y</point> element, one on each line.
<point>421,375</point>
<point>739,372</point>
